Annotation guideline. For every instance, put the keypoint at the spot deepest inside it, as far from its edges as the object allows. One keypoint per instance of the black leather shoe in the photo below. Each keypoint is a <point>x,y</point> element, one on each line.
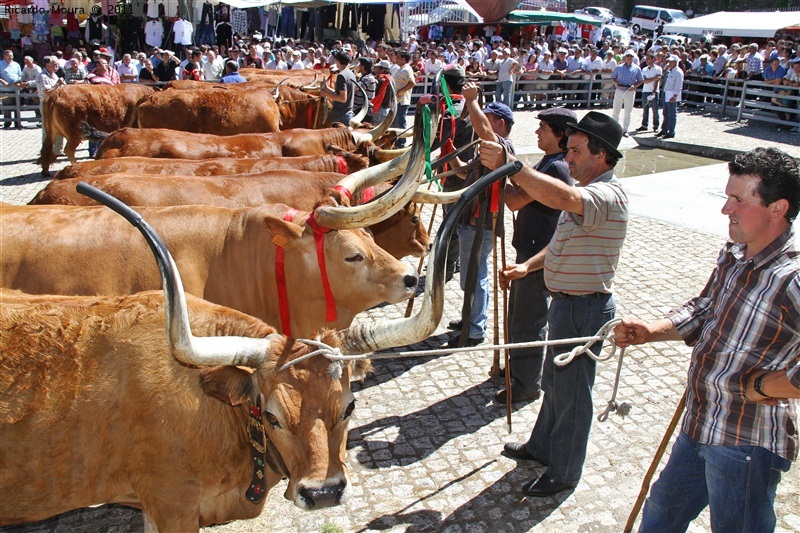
<point>670,136</point>
<point>545,486</point>
<point>517,450</point>
<point>642,128</point>
<point>456,325</point>
<point>500,396</point>
<point>470,342</point>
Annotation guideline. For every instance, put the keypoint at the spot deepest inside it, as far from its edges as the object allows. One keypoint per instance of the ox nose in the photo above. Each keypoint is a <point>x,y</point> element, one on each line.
<point>323,497</point>
<point>410,281</point>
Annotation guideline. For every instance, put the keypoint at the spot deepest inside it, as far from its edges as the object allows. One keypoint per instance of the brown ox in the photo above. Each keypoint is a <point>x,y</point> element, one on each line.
<point>342,162</point>
<point>401,235</point>
<point>106,108</point>
<point>166,143</point>
<point>95,409</point>
<point>213,110</point>
<point>295,78</point>
<point>227,256</point>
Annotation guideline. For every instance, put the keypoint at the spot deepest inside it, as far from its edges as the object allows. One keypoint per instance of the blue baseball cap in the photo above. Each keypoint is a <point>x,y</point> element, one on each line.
<point>501,110</point>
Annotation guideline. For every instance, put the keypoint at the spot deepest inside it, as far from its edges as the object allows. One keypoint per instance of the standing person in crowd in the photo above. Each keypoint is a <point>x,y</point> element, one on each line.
<point>739,433</point>
<point>652,75</point>
<point>214,67</point>
<point>382,101</point>
<point>367,82</point>
<point>102,75</point>
<point>494,123</point>
<point>128,73</point>
<point>192,70</point>
<point>754,63</point>
<point>534,227</point>
<point>505,76</point>
<point>673,86</point>
<point>609,65</point>
<point>252,59</point>
<point>590,233</point>
<point>10,76</point>
<point>544,70</point>
<point>27,84</point>
<point>404,83</point>
<point>627,77</point>
<point>46,83</point>
<point>341,96</point>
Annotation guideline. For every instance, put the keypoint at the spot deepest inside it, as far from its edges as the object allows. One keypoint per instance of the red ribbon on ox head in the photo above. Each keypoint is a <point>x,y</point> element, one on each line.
<point>280,273</point>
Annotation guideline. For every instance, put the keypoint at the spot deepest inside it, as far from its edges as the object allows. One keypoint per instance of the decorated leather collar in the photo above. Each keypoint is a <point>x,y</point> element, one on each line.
<point>262,451</point>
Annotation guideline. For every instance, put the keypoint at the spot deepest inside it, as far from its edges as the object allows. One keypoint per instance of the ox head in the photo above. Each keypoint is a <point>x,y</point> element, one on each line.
<point>403,233</point>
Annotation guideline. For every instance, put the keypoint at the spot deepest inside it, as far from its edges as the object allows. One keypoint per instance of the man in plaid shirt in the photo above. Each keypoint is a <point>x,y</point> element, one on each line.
<point>740,431</point>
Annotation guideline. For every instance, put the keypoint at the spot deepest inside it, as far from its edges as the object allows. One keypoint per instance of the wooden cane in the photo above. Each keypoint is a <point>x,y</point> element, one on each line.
<point>648,477</point>
<point>495,371</point>
<point>410,305</point>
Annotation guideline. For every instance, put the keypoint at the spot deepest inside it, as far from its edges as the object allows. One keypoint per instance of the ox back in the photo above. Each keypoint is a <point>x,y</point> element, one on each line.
<point>167,143</point>
<point>94,409</point>
<point>214,110</point>
<point>226,256</point>
<point>212,167</point>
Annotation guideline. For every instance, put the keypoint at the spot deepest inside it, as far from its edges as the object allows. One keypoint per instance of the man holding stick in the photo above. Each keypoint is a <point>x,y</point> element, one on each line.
<point>740,429</point>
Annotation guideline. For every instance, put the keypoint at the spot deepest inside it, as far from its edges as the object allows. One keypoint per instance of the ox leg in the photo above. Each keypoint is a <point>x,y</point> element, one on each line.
<point>166,513</point>
<point>149,526</point>
<point>69,150</point>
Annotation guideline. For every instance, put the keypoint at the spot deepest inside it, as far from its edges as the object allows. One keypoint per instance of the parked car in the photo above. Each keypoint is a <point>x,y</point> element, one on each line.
<point>619,33</point>
<point>604,14</point>
<point>648,18</point>
<point>674,39</point>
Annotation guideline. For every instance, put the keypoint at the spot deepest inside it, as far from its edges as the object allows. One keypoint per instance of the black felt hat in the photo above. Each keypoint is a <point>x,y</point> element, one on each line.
<point>603,128</point>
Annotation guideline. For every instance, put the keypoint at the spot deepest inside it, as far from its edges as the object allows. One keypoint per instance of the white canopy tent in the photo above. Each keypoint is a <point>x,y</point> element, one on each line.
<point>736,24</point>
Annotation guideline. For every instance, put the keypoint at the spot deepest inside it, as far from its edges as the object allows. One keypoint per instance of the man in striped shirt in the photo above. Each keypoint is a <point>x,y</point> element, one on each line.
<point>740,431</point>
<point>579,268</point>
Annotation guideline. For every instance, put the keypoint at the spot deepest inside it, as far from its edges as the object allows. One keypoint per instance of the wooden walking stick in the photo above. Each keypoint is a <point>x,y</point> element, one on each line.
<point>648,477</point>
<point>495,371</point>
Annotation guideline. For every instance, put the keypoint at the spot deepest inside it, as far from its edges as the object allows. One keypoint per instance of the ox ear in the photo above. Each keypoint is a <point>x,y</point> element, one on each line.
<point>359,369</point>
<point>284,232</point>
<point>229,384</point>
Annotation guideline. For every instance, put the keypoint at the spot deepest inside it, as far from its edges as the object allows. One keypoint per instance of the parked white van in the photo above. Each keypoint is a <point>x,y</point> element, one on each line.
<point>648,18</point>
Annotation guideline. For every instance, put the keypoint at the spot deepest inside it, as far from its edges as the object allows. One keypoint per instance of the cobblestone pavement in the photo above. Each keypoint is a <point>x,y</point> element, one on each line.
<point>425,437</point>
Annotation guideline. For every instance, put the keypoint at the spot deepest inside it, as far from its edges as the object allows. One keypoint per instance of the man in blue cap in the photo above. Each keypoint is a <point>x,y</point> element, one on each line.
<point>492,124</point>
<point>534,226</point>
<point>579,268</point>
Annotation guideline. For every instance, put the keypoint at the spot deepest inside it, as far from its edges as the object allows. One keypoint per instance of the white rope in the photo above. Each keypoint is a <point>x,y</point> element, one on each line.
<point>605,333</point>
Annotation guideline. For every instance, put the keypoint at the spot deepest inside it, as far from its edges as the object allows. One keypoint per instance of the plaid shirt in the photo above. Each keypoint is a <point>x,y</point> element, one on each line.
<point>746,320</point>
<point>627,76</point>
<point>755,63</point>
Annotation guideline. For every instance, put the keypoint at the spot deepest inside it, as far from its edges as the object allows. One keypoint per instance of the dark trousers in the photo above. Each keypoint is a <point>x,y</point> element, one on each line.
<point>561,433</point>
<point>401,121</point>
<point>527,322</point>
<point>647,106</point>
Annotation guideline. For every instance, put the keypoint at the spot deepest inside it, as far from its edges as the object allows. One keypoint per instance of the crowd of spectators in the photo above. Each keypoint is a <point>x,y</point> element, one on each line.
<point>536,73</point>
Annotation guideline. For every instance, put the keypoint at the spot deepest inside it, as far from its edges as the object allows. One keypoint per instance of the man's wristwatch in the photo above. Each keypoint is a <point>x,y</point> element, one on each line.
<point>757,385</point>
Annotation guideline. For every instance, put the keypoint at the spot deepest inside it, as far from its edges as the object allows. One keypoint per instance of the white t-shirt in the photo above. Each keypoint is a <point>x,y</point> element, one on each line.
<point>153,33</point>
<point>650,73</point>
<point>504,71</point>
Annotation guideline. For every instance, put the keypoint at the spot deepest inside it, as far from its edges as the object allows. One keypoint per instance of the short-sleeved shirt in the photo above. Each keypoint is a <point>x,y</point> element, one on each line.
<point>345,80</point>
<point>583,255</point>
<point>470,215</point>
<point>627,76</point>
<point>10,71</point>
<point>650,73</point>
<point>233,77</point>
<point>400,80</point>
<point>536,222</point>
<point>44,83</point>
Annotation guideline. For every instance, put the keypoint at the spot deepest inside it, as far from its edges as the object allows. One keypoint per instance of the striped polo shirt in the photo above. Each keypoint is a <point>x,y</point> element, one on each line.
<point>582,256</point>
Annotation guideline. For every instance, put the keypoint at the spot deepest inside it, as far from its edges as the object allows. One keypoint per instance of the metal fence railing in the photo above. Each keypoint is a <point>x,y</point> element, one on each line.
<point>742,99</point>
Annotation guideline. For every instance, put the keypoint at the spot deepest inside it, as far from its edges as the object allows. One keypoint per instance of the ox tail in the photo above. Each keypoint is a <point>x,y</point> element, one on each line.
<point>47,156</point>
<point>92,133</point>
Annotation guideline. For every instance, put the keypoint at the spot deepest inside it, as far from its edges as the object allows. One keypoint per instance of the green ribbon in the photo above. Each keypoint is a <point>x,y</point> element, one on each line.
<point>426,140</point>
<point>448,99</point>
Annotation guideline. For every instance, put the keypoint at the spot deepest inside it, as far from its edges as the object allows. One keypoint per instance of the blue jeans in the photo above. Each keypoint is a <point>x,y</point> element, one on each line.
<point>205,34</point>
<point>738,483</point>
<point>480,302</point>
<point>401,121</point>
<point>647,106</point>
<point>503,92</point>
<point>670,117</point>
<point>344,118</point>
<point>561,433</point>
<point>527,321</point>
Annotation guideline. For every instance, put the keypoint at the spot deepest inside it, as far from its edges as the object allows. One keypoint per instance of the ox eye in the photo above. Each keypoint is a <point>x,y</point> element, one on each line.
<point>354,259</point>
<point>273,420</point>
<point>349,410</point>
<point>415,220</point>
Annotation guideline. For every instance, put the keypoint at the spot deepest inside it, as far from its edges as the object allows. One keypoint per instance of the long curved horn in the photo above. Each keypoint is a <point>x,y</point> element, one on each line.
<point>185,347</point>
<point>435,197</point>
<point>374,212</point>
<point>374,175</point>
<point>358,119</point>
<point>277,93</point>
<point>374,336</point>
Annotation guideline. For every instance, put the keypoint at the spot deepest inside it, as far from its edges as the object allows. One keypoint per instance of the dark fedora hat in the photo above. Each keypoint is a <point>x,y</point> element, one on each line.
<point>603,128</point>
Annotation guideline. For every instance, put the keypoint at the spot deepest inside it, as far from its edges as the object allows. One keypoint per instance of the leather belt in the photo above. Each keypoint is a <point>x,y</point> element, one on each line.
<point>564,295</point>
